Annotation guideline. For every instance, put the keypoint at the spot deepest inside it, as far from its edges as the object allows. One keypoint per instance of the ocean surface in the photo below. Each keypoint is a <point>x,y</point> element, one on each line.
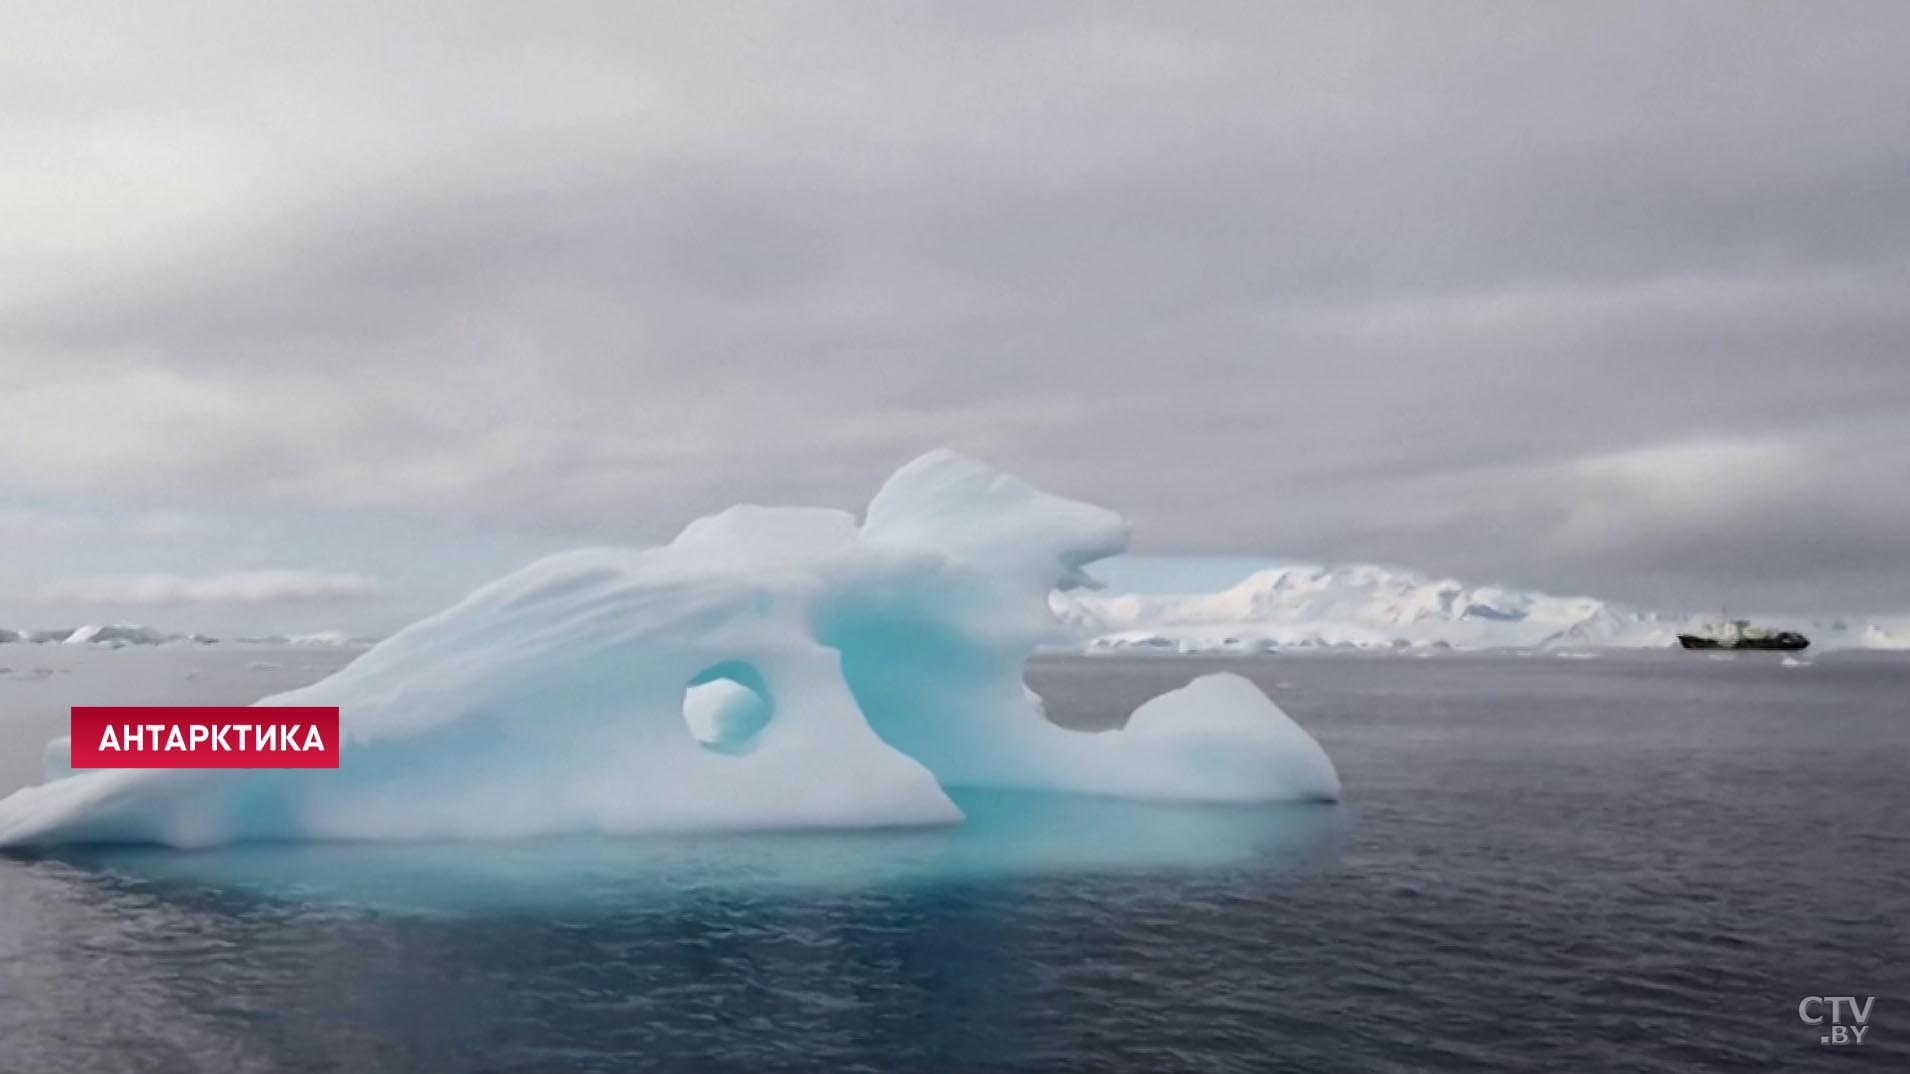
<point>1628,863</point>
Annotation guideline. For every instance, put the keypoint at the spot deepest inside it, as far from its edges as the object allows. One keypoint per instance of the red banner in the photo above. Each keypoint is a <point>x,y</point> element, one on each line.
<point>137,736</point>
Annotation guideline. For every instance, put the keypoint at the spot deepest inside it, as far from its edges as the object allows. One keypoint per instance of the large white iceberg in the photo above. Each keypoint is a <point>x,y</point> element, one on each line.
<point>769,668</point>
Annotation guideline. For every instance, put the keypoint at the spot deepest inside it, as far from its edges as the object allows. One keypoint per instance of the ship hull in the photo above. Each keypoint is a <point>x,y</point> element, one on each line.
<point>1783,643</point>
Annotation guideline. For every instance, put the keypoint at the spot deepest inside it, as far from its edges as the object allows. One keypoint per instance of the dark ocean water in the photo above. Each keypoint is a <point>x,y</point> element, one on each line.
<point>1623,864</point>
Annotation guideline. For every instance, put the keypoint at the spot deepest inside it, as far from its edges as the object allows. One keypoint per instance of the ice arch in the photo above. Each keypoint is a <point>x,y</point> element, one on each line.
<point>886,656</point>
<point>726,706</point>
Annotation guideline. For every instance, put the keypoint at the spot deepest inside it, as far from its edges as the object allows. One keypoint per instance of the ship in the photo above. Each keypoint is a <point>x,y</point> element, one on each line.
<point>1740,634</point>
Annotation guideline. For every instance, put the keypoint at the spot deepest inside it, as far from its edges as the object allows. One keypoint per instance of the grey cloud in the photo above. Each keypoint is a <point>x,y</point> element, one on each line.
<point>237,587</point>
<point>1358,282</point>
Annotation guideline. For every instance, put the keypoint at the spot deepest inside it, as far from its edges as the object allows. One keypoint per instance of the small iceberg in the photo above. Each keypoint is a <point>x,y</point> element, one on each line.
<point>770,668</point>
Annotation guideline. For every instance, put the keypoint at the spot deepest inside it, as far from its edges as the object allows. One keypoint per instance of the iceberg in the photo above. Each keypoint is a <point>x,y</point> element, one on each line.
<point>769,668</point>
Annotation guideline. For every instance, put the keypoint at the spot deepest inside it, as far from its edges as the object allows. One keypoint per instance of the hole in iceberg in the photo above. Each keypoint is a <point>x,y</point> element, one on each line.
<point>726,706</point>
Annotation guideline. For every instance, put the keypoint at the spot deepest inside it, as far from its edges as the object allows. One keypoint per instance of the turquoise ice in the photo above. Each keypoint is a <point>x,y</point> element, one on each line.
<point>770,668</point>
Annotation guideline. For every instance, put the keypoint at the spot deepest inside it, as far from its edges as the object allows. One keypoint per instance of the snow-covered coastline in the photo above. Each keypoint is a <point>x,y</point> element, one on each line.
<point>1365,607</point>
<point>118,635</point>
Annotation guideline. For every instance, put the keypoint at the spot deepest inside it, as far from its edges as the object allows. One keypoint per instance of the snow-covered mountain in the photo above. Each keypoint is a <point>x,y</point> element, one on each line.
<point>1369,607</point>
<point>117,635</point>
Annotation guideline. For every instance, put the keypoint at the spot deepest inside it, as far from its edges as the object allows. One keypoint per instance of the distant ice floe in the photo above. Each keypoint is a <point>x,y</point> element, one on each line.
<point>770,668</point>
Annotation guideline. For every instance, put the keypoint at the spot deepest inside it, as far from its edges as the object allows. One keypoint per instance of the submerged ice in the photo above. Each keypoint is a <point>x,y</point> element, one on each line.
<point>769,668</point>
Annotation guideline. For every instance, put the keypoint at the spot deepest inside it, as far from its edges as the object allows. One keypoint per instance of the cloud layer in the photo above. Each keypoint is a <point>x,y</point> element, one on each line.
<point>239,587</point>
<point>1613,299</point>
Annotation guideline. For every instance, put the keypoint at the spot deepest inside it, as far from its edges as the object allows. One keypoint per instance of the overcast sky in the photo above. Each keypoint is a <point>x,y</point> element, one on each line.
<point>315,319</point>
